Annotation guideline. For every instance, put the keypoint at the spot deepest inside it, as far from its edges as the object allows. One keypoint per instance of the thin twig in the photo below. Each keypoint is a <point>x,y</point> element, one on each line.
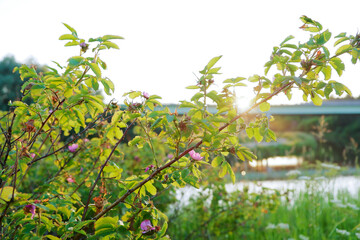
<point>102,168</point>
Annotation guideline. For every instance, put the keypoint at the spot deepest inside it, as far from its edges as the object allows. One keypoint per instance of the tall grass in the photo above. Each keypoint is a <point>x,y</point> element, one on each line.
<point>312,213</point>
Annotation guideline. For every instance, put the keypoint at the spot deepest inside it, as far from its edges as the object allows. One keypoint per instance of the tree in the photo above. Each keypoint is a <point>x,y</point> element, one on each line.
<point>10,83</point>
<point>88,186</point>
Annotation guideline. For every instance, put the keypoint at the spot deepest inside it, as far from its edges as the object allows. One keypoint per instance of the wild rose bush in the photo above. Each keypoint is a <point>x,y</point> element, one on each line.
<point>68,162</point>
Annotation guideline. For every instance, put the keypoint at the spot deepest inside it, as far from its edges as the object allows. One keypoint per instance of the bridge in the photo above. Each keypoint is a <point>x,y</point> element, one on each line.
<point>330,107</point>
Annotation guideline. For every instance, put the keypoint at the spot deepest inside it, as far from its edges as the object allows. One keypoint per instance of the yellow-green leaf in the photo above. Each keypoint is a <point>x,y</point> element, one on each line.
<point>265,106</point>
<point>150,188</point>
<point>95,68</point>
<point>217,161</point>
<point>316,99</point>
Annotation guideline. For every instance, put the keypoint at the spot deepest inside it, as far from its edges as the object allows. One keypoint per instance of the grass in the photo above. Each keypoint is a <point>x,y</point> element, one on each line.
<point>309,214</point>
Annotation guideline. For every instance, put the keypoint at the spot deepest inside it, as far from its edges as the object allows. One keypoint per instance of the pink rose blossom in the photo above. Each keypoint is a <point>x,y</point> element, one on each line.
<point>170,155</point>
<point>70,179</point>
<point>149,167</point>
<point>86,140</point>
<point>32,155</point>
<point>30,209</point>
<point>146,95</point>
<point>72,148</point>
<point>196,156</point>
<point>146,226</point>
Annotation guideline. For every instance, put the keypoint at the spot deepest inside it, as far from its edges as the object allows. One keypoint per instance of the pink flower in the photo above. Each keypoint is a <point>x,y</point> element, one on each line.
<point>170,155</point>
<point>30,209</point>
<point>72,148</point>
<point>146,226</point>
<point>32,155</point>
<point>149,167</point>
<point>146,95</point>
<point>196,156</point>
<point>70,179</point>
<point>86,140</point>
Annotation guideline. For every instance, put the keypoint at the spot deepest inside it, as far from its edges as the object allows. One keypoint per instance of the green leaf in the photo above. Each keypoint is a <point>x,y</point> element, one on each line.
<point>170,118</point>
<point>185,173</point>
<point>95,68</point>
<point>293,46</point>
<point>254,78</point>
<point>82,224</point>
<point>106,86</point>
<point>73,43</point>
<point>316,99</point>
<point>286,39</point>
<point>257,135</point>
<point>338,65</point>
<point>185,104</point>
<point>317,26</point>
<point>52,237</point>
<point>150,188</point>
<point>135,141</point>
<point>234,80</point>
<point>6,194</point>
<point>328,89</point>
<point>72,30</point>
<point>213,95</point>
<point>223,170</point>
<point>217,161</point>
<point>157,121</point>
<point>327,72</point>
<point>67,37</point>
<point>265,106</point>
<point>343,49</point>
<point>105,223</point>
<point>340,40</point>
<point>18,104</point>
<point>192,180</point>
<point>323,37</point>
<point>340,88</point>
<point>326,52</point>
<point>134,94</point>
<point>108,37</point>
<point>193,87</point>
<point>250,132</point>
<point>75,61</point>
<point>231,172</point>
<point>116,117</point>
<point>110,45</point>
<point>197,96</point>
<point>212,62</point>
<point>214,70</point>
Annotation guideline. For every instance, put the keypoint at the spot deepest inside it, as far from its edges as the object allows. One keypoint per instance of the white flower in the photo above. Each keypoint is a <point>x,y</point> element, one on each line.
<point>293,173</point>
<point>353,206</point>
<point>271,226</point>
<point>343,232</point>
<point>357,235</point>
<point>70,228</point>
<point>302,237</point>
<point>283,226</point>
<point>278,226</point>
<point>340,205</point>
<point>330,166</point>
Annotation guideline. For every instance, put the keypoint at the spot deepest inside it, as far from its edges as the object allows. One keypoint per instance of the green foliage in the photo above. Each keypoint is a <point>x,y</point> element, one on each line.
<point>10,83</point>
<point>70,168</point>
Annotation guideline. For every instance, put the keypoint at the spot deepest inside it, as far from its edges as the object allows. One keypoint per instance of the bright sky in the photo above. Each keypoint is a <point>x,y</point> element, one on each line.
<point>166,41</point>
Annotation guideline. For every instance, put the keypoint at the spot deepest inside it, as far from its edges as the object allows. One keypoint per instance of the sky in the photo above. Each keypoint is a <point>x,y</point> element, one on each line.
<point>168,42</point>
